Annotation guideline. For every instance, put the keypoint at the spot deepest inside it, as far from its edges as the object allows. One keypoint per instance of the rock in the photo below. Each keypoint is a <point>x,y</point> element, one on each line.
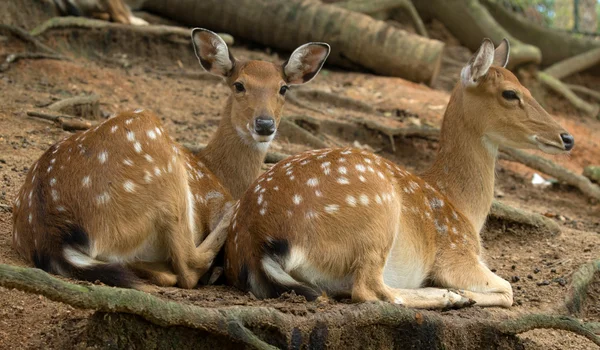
<point>592,172</point>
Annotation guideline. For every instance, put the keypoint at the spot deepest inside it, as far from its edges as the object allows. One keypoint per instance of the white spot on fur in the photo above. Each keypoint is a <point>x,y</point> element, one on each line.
<point>127,162</point>
<point>129,186</point>
<point>351,200</point>
<point>102,157</point>
<point>114,128</point>
<point>364,199</point>
<point>157,171</point>
<point>380,174</point>
<point>257,188</point>
<point>378,199</point>
<point>103,198</point>
<point>54,195</point>
<point>52,182</point>
<point>139,110</point>
<point>297,199</point>
<point>213,195</point>
<point>259,199</point>
<point>342,170</point>
<point>276,188</point>
<point>151,134</point>
<point>147,177</point>
<point>312,182</point>
<point>436,203</point>
<point>158,132</point>
<point>30,218</point>
<point>361,168</point>
<point>130,136</point>
<point>60,208</point>
<point>128,121</point>
<point>149,158</point>
<point>343,181</point>
<point>362,178</point>
<point>346,151</point>
<point>49,169</point>
<point>53,160</point>
<point>262,211</point>
<point>331,208</point>
<point>86,182</point>
<point>138,147</point>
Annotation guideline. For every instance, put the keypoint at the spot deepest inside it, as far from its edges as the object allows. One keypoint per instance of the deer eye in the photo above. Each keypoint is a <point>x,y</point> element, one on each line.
<point>510,95</point>
<point>283,90</point>
<point>239,87</point>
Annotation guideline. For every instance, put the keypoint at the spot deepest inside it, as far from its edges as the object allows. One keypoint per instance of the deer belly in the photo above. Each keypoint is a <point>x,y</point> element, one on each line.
<point>405,267</point>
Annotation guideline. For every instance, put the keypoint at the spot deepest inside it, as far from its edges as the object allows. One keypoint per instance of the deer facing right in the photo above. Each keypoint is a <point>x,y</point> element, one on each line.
<point>348,222</point>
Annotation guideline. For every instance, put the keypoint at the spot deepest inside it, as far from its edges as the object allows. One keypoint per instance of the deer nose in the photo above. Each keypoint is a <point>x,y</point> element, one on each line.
<point>264,126</point>
<point>568,141</point>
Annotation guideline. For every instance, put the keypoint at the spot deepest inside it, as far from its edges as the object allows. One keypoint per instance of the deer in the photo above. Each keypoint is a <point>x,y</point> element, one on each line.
<point>345,222</point>
<point>125,204</point>
<point>117,11</point>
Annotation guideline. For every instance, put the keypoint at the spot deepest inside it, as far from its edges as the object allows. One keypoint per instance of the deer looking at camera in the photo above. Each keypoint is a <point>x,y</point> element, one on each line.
<point>123,199</point>
<point>348,222</point>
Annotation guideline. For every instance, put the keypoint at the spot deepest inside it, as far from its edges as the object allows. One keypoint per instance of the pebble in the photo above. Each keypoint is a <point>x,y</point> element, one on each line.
<point>515,279</point>
<point>536,270</point>
<point>543,283</point>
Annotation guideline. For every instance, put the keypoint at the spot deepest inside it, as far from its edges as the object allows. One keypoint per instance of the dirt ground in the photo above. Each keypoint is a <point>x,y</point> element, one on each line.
<point>539,266</point>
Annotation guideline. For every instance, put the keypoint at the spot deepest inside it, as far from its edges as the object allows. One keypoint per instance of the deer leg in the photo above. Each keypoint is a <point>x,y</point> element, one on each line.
<point>118,11</point>
<point>475,281</point>
<point>206,252</point>
<point>158,273</point>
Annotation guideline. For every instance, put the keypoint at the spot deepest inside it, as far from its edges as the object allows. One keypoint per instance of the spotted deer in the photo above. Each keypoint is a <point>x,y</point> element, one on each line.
<point>123,200</point>
<point>117,11</point>
<point>350,223</point>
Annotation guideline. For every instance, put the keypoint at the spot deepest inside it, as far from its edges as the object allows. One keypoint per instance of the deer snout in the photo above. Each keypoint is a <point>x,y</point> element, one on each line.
<point>264,126</point>
<point>568,141</point>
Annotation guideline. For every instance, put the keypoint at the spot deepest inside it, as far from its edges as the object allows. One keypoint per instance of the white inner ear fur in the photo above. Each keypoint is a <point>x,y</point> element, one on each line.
<point>221,64</point>
<point>478,65</point>
<point>300,64</point>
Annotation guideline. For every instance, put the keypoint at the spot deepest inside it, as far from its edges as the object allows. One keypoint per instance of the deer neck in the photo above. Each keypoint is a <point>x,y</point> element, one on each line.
<point>464,168</point>
<point>234,158</point>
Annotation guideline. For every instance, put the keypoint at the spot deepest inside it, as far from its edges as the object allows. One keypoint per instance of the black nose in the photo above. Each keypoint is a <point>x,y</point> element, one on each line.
<point>568,141</point>
<point>264,126</point>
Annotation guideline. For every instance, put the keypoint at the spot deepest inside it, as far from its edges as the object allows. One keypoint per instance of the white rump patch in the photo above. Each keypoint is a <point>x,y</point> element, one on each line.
<point>77,258</point>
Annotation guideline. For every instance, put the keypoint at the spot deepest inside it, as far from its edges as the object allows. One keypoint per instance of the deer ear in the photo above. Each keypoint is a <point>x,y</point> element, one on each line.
<point>479,64</point>
<point>212,52</point>
<point>501,54</point>
<point>305,62</point>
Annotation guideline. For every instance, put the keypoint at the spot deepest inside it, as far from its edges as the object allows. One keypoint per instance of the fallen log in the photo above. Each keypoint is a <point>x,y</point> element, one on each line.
<point>357,40</point>
<point>267,328</point>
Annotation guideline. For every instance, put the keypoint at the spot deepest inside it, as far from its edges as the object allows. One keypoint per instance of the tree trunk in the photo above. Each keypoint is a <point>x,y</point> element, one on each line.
<point>470,22</point>
<point>554,45</point>
<point>356,39</point>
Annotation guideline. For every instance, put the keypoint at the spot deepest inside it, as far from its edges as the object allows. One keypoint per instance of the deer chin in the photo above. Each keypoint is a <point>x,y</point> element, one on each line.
<point>262,138</point>
<point>548,146</point>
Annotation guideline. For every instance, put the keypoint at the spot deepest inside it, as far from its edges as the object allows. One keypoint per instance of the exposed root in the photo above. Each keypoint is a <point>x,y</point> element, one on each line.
<point>272,157</point>
<point>574,64</point>
<point>60,106</point>
<point>297,134</point>
<point>505,212</point>
<point>584,91</point>
<point>334,99</point>
<point>63,121</point>
<point>177,33</point>
<point>561,89</point>
<point>12,58</point>
<point>548,167</point>
<point>375,6</point>
<point>234,322</point>
<point>28,38</point>
<point>577,294</point>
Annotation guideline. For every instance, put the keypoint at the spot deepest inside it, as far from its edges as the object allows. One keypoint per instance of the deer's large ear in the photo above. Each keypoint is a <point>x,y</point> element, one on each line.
<point>501,54</point>
<point>479,64</point>
<point>212,52</point>
<point>305,62</point>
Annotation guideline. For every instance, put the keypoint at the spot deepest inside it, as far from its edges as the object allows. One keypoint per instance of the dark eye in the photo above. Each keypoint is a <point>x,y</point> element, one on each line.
<point>239,87</point>
<point>510,95</point>
<point>283,90</point>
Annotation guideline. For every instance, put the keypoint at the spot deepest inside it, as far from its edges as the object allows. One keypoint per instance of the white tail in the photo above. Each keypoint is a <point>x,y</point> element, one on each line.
<point>124,198</point>
<point>345,221</point>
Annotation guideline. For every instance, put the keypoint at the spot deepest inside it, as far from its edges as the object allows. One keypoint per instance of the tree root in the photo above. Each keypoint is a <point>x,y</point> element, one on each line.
<point>561,89</point>
<point>234,322</point>
<point>12,58</point>
<point>577,294</point>
<point>150,30</point>
<point>297,134</point>
<point>28,38</point>
<point>62,105</point>
<point>548,167</point>
<point>584,91</point>
<point>372,7</point>
<point>63,121</point>
<point>574,64</point>
<point>505,212</point>
<point>334,99</point>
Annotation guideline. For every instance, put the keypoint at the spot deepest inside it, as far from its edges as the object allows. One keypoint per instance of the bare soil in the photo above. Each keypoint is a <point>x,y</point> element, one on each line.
<point>129,75</point>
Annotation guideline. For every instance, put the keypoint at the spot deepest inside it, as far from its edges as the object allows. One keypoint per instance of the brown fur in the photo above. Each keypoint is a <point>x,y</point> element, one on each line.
<point>365,219</point>
<point>125,197</point>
